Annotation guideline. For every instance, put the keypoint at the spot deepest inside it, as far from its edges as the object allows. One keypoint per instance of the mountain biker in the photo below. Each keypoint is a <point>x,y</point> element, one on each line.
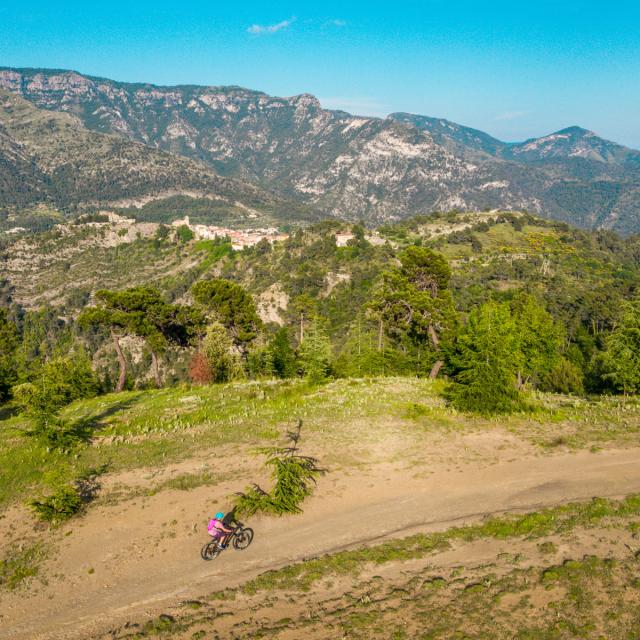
<point>219,528</point>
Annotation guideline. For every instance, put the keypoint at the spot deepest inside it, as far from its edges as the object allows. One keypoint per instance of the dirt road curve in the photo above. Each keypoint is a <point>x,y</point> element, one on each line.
<point>132,577</point>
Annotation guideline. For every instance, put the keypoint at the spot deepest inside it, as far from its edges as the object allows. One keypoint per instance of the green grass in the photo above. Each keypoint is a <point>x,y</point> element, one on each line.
<point>153,428</point>
<point>20,565</point>
<point>148,428</point>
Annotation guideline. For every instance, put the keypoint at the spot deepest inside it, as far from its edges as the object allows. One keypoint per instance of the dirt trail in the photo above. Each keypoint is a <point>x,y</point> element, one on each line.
<point>139,566</point>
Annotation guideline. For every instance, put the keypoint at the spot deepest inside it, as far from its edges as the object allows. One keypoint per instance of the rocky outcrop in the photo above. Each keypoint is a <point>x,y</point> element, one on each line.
<point>355,167</point>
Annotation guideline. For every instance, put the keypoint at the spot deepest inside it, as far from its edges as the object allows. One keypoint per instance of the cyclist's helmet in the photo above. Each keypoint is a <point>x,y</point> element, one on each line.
<point>219,515</point>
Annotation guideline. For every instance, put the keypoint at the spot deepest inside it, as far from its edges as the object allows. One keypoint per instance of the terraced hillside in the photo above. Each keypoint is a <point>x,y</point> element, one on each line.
<point>488,252</point>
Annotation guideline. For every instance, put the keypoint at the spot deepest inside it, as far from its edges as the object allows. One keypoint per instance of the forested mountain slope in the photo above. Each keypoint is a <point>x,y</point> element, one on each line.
<point>355,167</point>
<point>52,158</point>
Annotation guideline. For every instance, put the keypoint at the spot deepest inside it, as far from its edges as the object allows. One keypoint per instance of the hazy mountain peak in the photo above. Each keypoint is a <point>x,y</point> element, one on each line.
<point>575,130</point>
<point>568,143</point>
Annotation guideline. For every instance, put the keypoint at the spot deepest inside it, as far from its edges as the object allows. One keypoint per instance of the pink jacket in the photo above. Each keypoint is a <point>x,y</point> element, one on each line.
<point>215,527</point>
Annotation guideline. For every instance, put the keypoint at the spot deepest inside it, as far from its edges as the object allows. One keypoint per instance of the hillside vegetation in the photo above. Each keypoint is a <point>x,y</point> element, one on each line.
<point>582,277</point>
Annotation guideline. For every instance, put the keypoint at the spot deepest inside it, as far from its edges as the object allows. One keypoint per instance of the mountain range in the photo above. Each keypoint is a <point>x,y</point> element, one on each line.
<point>126,141</point>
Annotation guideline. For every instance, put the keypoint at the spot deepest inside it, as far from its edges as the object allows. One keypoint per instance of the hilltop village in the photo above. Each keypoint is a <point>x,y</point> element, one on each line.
<point>240,238</point>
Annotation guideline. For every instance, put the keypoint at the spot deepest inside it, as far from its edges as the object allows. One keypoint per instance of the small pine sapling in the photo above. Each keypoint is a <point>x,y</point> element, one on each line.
<point>295,476</point>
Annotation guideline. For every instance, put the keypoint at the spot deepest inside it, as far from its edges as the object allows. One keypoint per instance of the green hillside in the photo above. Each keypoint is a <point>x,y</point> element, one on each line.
<point>580,277</point>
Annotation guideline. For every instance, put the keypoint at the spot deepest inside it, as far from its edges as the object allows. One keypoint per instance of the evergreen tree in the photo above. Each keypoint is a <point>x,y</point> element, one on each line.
<point>8,347</point>
<point>564,377</point>
<point>105,314</point>
<point>540,340</point>
<point>413,303</point>
<point>143,312</point>
<point>229,304</point>
<point>259,361</point>
<point>622,355</point>
<point>305,308</point>
<point>360,356</point>
<point>59,382</point>
<point>314,355</point>
<point>487,358</point>
<point>294,477</point>
<point>282,356</point>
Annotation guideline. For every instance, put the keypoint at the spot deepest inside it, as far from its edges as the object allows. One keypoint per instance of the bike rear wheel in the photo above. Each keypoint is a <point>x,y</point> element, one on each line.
<point>242,539</point>
<point>210,551</point>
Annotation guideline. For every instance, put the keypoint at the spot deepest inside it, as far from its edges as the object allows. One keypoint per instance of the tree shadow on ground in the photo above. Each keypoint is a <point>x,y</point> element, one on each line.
<point>88,485</point>
<point>8,411</point>
<point>95,423</point>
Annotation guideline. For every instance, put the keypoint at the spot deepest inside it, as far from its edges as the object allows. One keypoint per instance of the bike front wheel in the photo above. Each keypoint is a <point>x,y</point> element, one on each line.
<point>242,539</point>
<point>210,551</point>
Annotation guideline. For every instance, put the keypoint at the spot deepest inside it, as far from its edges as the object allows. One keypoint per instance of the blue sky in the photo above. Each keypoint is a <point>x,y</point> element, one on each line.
<point>514,69</point>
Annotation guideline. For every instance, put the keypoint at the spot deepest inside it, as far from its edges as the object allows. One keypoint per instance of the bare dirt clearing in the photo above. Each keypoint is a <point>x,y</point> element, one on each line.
<point>134,558</point>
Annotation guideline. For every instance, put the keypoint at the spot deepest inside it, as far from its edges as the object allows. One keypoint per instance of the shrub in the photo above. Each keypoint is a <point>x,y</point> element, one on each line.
<point>64,503</point>
<point>220,355</point>
<point>294,478</point>
<point>20,564</point>
<point>199,369</point>
<point>184,234</point>
<point>565,377</point>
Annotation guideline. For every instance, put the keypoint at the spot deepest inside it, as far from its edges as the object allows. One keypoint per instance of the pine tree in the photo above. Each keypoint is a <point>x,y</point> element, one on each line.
<point>315,355</point>
<point>142,311</point>
<point>487,358</point>
<point>413,304</point>
<point>8,347</point>
<point>229,304</point>
<point>622,355</point>
<point>281,353</point>
<point>360,356</point>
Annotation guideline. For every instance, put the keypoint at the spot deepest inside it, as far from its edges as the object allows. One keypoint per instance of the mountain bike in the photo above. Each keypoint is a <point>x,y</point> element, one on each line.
<point>240,539</point>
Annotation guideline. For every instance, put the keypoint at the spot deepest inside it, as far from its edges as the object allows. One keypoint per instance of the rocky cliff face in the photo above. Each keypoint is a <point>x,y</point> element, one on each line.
<point>53,157</point>
<point>354,167</point>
